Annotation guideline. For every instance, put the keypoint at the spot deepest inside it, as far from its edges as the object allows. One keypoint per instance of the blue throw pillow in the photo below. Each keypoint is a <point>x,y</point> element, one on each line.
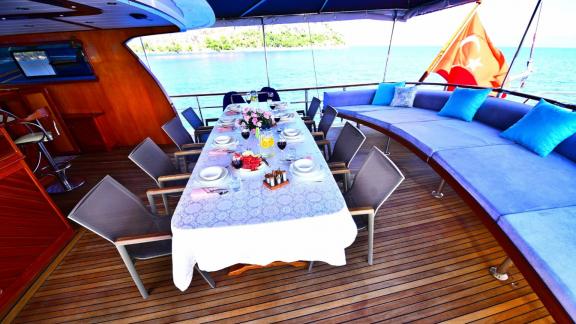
<point>385,93</point>
<point>464,103</point>
<point>543,128</point>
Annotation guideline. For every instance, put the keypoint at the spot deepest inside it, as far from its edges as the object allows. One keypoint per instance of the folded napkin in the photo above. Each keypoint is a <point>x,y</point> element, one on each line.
<point>224,128</point>
<point>202,193</point>
<point>216,152</point>
<point>230,113</point>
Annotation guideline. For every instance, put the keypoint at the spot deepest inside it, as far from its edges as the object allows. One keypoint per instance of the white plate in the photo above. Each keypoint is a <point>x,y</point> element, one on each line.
<point>223,139</point>
<point>213,173</point>
<point>227,120</point>
<point>235,107</point>
<point>291,132</point>
<point>304,165</point>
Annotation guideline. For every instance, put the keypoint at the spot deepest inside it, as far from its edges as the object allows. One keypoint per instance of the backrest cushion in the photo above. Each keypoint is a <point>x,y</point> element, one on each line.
<point>431,99</point>
<point>348,98</point>
<point>501,113</point>
<point>385,93</point>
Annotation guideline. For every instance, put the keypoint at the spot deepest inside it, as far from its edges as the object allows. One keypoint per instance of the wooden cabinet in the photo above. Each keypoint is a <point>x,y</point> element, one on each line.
<point>32,230</point>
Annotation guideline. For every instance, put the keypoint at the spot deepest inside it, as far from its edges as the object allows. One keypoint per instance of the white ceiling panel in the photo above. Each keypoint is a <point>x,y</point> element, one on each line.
<point>114,14</point>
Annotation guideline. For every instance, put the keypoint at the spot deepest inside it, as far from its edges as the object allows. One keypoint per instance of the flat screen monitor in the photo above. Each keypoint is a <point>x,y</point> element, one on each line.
<point>34,63</point>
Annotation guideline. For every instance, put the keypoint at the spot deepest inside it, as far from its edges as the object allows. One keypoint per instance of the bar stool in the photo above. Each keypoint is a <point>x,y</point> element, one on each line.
<point>38,135</point>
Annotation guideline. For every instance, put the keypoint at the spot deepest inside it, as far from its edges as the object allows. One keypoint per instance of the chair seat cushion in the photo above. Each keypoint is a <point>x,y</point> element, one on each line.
<point>508,179</point>
<point>546,238</point>
<point>354,110</point>
<point>33,138</point>
<point>387,117</point>
<point>439,135</point>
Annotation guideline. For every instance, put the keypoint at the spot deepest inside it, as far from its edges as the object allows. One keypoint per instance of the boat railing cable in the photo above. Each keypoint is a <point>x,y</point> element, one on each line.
<point>265,50</point>
<point>313,59</point>
<point>520,45</point>
<point>389,46</point>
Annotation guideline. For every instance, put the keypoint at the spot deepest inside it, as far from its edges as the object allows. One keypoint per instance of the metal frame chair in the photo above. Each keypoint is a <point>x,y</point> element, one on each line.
<point>308,116</point>
<point>376,180</point>
<point>347,145</point>
<point>201,131</point>
<point>328,117</point>
<point>155,163</point>
<point>114,213</point>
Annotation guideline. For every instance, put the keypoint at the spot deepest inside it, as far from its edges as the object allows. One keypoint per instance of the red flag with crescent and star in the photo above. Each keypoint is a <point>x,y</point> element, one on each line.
<point>472,59</point>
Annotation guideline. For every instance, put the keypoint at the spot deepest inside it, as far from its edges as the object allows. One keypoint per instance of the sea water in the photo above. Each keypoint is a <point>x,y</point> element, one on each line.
<point>553,76</point>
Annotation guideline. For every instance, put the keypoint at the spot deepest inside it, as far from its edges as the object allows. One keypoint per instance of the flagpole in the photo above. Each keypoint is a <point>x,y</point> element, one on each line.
<point>449,43</point>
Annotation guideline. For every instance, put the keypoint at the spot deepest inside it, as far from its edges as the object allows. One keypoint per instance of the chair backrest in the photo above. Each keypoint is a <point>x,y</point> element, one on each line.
<point>347,145</point>
<point>263,95</point>
<point>313,108</point>
<point>327,119</point>
<point>177,133</point>
<point>111,211</point>
<point>192,118</point>
<point>230,98</point>
<point>376,180</point>
<point>152,160</point>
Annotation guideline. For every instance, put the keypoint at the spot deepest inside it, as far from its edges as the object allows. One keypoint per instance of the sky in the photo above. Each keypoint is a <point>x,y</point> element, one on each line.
<point>504,21</point>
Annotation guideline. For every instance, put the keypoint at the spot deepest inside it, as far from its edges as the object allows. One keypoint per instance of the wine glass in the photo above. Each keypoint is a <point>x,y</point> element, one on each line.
<point>245,132</point>
<point>270,99</point>
<point>281,143</point>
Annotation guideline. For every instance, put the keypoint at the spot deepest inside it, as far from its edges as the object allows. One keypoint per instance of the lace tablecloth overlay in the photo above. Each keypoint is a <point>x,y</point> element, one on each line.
<point>253,224</point>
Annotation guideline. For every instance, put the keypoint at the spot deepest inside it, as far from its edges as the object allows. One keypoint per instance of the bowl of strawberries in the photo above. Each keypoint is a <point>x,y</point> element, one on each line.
<point>247,161</point>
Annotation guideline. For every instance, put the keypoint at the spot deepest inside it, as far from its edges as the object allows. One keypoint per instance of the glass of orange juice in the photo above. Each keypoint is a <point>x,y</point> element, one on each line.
<point>266,142</point>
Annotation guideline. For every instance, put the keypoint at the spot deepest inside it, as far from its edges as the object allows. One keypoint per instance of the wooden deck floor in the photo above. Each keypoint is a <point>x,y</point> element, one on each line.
<point>431,260</point>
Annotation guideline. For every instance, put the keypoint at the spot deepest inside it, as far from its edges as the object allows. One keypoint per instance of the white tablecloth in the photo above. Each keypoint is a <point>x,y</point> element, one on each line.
<point>306,220</point>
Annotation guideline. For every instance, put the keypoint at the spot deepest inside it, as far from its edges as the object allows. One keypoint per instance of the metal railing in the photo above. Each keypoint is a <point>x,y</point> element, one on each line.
<point>344,87</point>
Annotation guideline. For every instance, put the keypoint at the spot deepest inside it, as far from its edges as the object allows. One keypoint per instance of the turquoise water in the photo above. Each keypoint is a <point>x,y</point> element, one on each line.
<point>554,73</point>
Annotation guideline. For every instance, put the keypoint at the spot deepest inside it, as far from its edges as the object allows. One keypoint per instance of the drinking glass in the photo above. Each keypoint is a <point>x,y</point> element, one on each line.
<point>270,99</point>
<point>281,145</point>
<point>245,132</point>
<point>266,141</point>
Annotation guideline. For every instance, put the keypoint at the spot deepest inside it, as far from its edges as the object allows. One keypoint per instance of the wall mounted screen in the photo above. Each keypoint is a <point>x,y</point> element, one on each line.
<point>50,62</point>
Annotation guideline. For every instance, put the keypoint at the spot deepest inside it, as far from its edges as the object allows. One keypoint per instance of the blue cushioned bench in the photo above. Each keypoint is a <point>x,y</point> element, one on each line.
<point>529,200</point>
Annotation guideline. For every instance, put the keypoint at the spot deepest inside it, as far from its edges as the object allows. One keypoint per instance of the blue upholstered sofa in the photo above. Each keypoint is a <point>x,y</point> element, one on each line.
<point>530,200</point>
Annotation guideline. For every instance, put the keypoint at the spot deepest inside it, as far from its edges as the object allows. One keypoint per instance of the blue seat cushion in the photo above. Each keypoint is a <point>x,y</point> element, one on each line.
<point>508,179</point>
<point>385,118</point>
<point>385,93</point>
<point>543,128</point>
<point>433,136</point>
<point>355,109</point>
<point>547,239</point>
<point>348,98</point>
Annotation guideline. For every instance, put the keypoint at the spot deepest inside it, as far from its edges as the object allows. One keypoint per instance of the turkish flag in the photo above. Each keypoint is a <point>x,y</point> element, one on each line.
<point>472,59</point>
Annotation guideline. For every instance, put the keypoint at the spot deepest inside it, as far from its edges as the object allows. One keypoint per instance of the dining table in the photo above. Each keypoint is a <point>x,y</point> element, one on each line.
<point>236,219</point>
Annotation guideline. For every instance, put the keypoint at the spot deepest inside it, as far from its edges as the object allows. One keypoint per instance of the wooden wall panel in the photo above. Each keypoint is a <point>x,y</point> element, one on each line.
<point>134,103</point>
<point>33,229</point>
